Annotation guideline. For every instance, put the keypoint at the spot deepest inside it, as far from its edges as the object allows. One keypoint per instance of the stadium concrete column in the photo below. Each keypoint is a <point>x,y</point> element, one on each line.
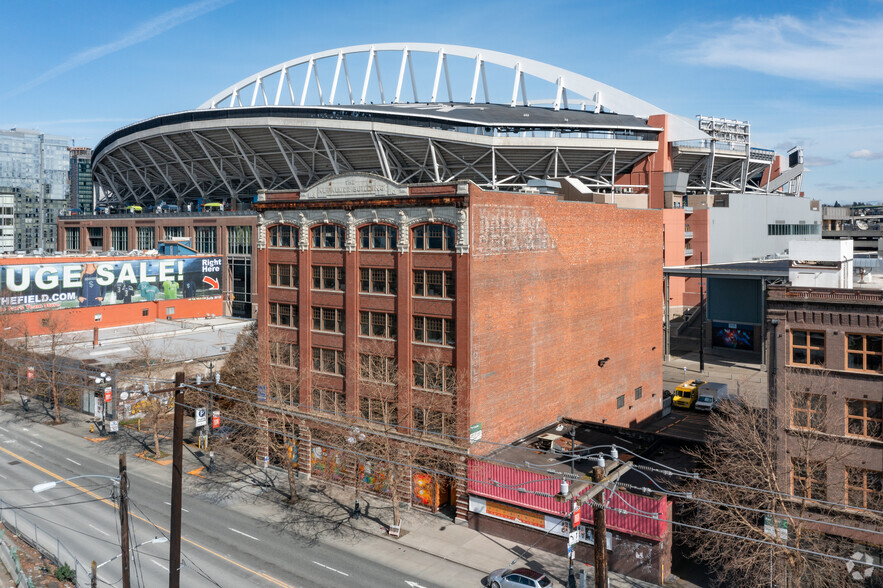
<point>660,162</point>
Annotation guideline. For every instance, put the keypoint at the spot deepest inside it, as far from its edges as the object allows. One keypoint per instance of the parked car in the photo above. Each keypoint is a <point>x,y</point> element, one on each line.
<point>518,578</point>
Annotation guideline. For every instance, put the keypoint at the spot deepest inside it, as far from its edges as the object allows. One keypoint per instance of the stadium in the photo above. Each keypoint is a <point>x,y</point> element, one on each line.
<point>421,113</point>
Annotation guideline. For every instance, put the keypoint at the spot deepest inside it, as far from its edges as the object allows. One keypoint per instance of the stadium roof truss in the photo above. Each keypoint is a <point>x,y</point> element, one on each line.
<point>446,113</point>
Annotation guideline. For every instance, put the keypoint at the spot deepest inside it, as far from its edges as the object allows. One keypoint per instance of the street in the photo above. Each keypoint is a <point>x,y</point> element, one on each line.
<point>226,542</point>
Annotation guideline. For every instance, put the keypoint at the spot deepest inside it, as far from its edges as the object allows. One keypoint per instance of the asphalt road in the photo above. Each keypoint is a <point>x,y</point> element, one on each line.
<point>223,543</point>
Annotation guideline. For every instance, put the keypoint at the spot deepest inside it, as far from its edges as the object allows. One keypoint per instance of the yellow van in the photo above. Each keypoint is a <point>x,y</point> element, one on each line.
<point>686,394</point>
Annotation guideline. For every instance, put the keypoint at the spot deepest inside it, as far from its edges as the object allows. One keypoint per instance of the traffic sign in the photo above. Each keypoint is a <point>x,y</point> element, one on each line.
<point>577,518</point>
<point>108,393</point>
<point>573,538</point>
<point>216,419</point>
<point>262,393</point>
<point>201,417</point>
<point>114,426</point>
<point>30,373</point>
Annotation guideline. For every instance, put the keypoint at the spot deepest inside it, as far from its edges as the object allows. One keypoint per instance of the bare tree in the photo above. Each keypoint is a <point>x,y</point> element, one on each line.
<point>154,356</point>
<point>51,366</point>
<point>786,451</point>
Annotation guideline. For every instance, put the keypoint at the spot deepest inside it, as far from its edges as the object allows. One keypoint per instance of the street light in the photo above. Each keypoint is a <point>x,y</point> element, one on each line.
<point>103,380</point>
<point>155,541</point>
<point>50,485</point>
<point>356,436</point>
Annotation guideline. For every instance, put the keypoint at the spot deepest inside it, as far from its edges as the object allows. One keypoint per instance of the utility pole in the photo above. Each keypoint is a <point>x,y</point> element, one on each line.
<point>701,316</point>
<point>600,525</point>
<point>94,582</point>
<point>124,521</point>
<point>177,483</point>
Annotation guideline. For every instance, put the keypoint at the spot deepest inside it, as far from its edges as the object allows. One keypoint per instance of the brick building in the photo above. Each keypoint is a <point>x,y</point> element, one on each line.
<point>826,381</point>
<point>541,307</point>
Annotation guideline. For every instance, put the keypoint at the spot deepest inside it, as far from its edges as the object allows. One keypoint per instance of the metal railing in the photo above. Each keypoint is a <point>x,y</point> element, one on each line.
<point>44,541</point>
<point>154,214</point>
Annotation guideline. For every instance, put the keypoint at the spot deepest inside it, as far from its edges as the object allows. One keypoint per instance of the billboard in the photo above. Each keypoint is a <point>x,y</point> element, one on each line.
<point>732,336</point>
<point>95,282</point>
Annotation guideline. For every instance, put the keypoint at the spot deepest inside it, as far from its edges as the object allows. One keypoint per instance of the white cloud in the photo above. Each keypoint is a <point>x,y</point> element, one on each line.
<point>830,50</point>
<point>142,32</point>
<point>815,161</point>
<point>866,154</point>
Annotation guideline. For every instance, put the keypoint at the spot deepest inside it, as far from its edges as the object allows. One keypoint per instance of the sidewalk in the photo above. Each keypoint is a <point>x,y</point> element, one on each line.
<point>433,534</point>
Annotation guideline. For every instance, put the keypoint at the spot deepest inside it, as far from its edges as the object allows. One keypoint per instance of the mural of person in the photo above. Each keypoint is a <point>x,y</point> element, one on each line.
<point>91,292</point>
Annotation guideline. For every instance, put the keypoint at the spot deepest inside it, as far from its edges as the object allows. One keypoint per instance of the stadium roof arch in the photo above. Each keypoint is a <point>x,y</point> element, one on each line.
<point>497,119</point>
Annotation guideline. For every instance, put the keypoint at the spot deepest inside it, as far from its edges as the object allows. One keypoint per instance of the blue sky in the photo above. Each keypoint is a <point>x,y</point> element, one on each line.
<point>802,73</point>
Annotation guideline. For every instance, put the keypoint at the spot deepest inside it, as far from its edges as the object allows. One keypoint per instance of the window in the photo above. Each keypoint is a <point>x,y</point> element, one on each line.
<point>239,240</point>
<point>283,275</point>
<point>96,238</point>
<point>329,237</point>
<point>378,237</point>
<point>72,239</point>
<point>864,352</point>
<point>377,281</point>
<point>434,237</point>
<point>808,347</point>
<point>329,361</point>
<point>174,232</point>
<point>864,418</point>
<point>785,229</point>
<point>329,401</point>
<point>283,315</point>
<point>379,411</point>
<point>146,237</point>
<point>328,319</point>
<point>434,422</point>
<point>864,488</point>
<point>327,277</point>
<point>119,238</point>
<point>206,239</point>
<point>283,236</point>
<point>809,479</point>
<point>436,284</point>
<point>145,312</point>
<point>620,401</point>
<point>377,368</point>
<point>283,353</point>
<point>639,392</point>
<point>429,329</point>
<point>435,377</point>
<point>377,324</point>
<point>808,411</point>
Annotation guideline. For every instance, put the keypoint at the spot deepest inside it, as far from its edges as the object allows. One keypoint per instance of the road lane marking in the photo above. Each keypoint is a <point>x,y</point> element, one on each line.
<point>25,429</point>
<point>244,534</point>
<point>72,461</point>
<point>4,477</point>
<point>99,530</point>
<point>5,429</point>
<point>182,508</point>
<point>160,565</point>
<point>329,568</point>
<point>210,551</point>
<point>37,444</point>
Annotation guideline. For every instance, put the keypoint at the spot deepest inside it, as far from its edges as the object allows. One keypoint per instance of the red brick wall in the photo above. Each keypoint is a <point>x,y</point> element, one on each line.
<point>556,286</point>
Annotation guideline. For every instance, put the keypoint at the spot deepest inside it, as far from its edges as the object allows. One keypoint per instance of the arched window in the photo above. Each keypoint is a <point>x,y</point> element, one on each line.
<point>378,237</point>
<point>434,237</point>
<point>329,237</point>
<point>283,236</point>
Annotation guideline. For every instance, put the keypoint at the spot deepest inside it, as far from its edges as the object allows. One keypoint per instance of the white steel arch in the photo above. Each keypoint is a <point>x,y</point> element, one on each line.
<point>298,82</point>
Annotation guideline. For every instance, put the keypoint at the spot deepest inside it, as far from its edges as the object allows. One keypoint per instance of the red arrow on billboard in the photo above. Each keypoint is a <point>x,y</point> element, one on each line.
<point>211,282</point>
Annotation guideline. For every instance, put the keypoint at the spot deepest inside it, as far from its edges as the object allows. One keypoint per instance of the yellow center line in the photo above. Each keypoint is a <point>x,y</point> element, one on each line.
<point>154,525</point>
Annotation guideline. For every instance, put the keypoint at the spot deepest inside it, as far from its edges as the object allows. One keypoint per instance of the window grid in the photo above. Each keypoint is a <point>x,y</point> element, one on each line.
<point>864,418</point>
<point>864,488</point>
<point>119,238</point>
<point>864,352</point>
<point>239,240</point>
<point>434,284</point>
<point>283,315</point>
<point>329,320</point>
<point>377,368</point>
<point>283,275</point>
<point>173,232</point>
<point>434,237</point>
<point>377,324</point>
<point>206,239</point>
<point>146,238</point>
<point>808,411</point>
<point>809,479</point>
<point>329,401</point>
<point>639,392</point>
<point>437,331</point>
<point>434,422</point>
<point>435,377</point>
<point>379,411</point>
<point>329,361</point>
<point>283,353</point>
<point>328,277</point>
<point>790,229</point>
<point>620,401</point>
<point>96,237</point>
<point>285,236</point>
<point>807,347</point>
<point>329,237</point>
<point>72,239</point>
<point>383,237</point>
<point>377,280</point>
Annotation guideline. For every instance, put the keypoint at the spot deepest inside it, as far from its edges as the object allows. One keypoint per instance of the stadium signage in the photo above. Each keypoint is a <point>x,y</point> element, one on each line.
<point>45,286</point>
